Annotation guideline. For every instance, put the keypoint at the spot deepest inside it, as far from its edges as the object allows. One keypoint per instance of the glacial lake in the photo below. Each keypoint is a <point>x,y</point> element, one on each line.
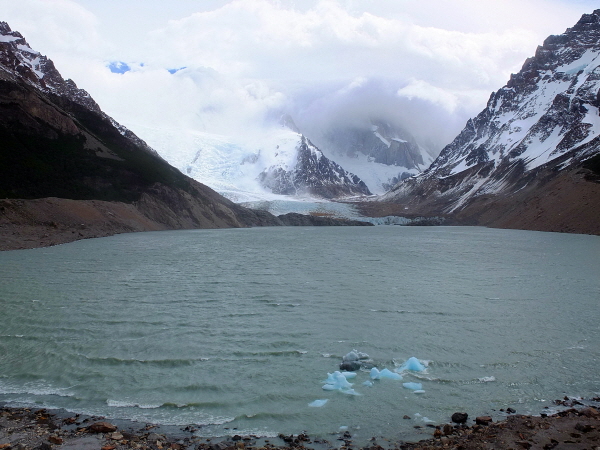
<point>236,330</point>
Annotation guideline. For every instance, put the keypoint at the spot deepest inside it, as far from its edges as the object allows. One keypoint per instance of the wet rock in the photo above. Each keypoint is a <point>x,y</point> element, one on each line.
<point>406,417</point>
<point>510,411</point>
<point>102,427</point>
<point>219,446</point>
<point>154,438</point>
<point>584,428</point>
<point>44,446</point>
<point>483,420</point>
<point>350,366</point>
<point>459,417</point>
<point>83,443</point>
<point>590,412</point>
<point>116,436</point>
<point>55,440</point>
<point>448,429</point>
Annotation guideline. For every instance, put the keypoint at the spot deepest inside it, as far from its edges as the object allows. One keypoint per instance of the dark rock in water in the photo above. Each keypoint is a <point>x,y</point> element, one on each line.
<point>350,366</point>
<point>483,420</point>
<point>407,417</point>
<point>510,411</point>
<point>459,417</point>
<point>356,360</point>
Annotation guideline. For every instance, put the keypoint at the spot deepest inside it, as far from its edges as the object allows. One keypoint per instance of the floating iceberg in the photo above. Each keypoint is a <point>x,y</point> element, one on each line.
<point>349,392</point>
<point>336,381</point>
<point>318,403</point>
<point>368,383</point>
<point>411,363</point>
<point>413,386</point>
<point>384,373</point>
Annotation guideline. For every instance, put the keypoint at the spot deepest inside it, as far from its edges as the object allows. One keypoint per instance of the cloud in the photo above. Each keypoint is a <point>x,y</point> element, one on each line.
<point>54,26</point>
<point>429,65</point>
<point>424,91</point>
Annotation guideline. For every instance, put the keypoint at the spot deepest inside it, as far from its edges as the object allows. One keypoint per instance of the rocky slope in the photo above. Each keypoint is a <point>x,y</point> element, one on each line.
<point>57,143</point>
<point>533,148</point>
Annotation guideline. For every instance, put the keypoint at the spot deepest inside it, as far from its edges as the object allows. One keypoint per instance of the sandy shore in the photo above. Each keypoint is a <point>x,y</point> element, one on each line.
<point>577,426</point>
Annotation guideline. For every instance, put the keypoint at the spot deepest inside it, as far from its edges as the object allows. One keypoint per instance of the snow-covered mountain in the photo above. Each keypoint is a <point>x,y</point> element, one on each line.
<point>380,153</point>
<point>310,172</point>
<point>274,163</point>
<point>545,121</point>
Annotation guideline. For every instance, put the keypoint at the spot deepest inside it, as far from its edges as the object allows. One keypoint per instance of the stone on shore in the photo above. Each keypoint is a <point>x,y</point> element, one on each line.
<point>483,420</point>
<point>102,427</point>
<point>460,417</point>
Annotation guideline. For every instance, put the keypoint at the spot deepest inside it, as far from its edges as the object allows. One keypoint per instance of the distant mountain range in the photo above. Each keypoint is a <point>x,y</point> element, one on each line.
<point>531,158</point>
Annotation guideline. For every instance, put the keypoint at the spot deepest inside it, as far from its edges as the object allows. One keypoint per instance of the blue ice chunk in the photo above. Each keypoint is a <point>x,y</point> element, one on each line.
<point>412,363</point>
<point>318,403</point>
<point>386,373</point>
<point>349,375</point>
<point>336,381</point>
<point>375,373</point>
<point>368,383</point>
<point>349,391</point>
<point>413,386</point>
<point>419,391</point>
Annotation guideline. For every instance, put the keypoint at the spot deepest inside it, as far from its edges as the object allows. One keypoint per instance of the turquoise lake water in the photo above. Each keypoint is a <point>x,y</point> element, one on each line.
<point>238,329</point>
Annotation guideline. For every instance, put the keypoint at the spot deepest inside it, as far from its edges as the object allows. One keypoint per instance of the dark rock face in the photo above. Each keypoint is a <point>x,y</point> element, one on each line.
<point>545,121</point>
<point>313,174</point>
<point>382,143</point>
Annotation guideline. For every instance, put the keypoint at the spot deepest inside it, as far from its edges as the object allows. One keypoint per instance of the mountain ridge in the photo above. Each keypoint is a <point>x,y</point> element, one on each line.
<point>544,123</point>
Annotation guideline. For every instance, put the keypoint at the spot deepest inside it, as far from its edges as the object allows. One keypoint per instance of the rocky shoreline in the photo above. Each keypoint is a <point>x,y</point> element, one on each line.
<point>44,222</point>
<point>577,426</point>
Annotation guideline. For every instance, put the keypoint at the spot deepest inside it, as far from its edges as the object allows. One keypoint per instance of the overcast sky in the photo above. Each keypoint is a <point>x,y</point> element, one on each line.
<point>428,64</point>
